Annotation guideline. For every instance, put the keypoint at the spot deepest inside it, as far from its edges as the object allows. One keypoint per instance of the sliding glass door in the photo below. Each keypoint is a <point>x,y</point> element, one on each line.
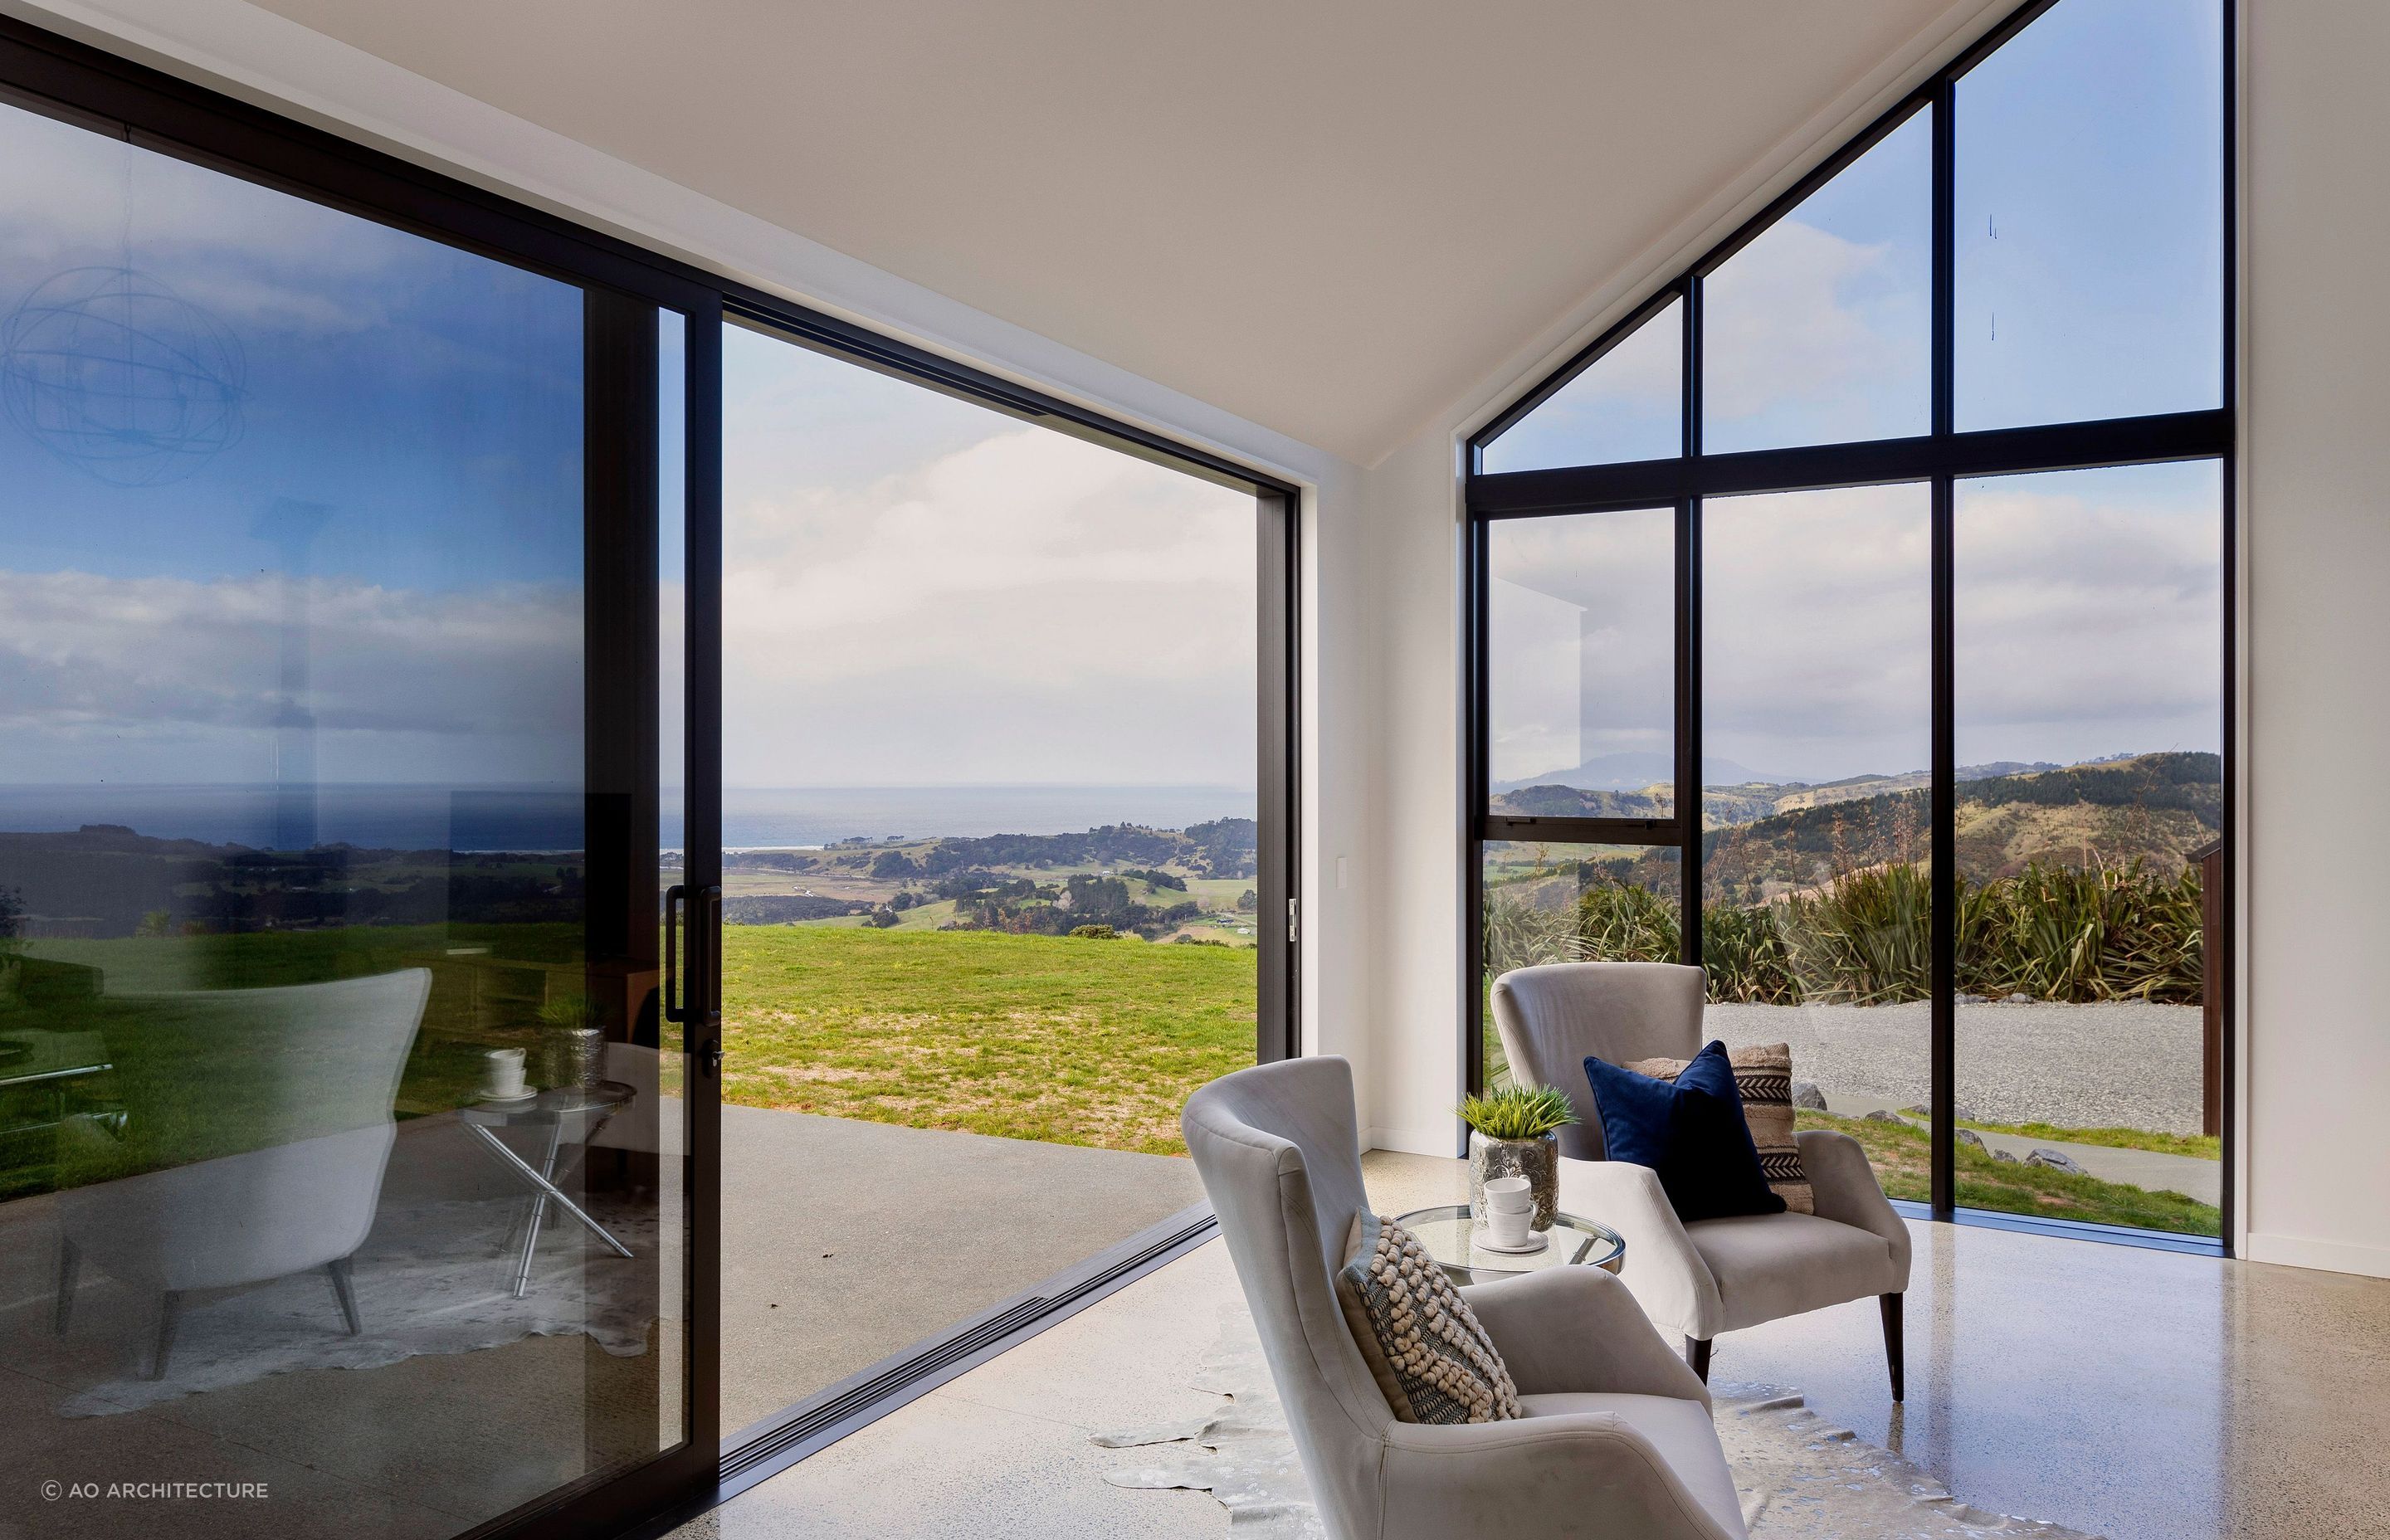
<point>346,1177</point>
<point>998,883</point>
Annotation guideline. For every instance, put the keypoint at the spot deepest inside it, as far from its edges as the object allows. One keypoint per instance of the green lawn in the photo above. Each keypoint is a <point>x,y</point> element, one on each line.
<point>1900,1152</point>
<point>1029,1037</point>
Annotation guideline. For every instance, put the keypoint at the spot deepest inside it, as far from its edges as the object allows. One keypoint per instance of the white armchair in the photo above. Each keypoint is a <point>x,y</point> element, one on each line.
<point>1717,1275</point>
<point>1616,1440</point>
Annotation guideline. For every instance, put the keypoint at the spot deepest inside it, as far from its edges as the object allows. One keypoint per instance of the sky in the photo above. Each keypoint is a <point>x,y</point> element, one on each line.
<point>2088,251</point>
<point>921,590</point>
<point>416,409</point>
<point>2089,283</point>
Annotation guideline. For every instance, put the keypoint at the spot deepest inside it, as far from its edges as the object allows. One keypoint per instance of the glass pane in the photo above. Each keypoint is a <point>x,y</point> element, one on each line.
<point>1817,900</point>
<point>990,860</point>
<point>2089,724</point>
<point>1628,404</point>
<point>1820,331</point>
<point>1581,664</point>
<point>1555,903</point>
<point>311,958</point>
<point>2090,218</point>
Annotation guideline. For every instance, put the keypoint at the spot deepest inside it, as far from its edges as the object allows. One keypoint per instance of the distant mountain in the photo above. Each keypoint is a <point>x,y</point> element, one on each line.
<point>2158,807</point>
<point>1631,772</point>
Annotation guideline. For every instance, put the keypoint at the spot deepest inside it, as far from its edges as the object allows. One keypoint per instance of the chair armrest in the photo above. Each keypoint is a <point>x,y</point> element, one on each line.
<point>1847,1192</point>
<point>1577,1329</point>
<point>1666,1276</point>
<point>1536,1476</point>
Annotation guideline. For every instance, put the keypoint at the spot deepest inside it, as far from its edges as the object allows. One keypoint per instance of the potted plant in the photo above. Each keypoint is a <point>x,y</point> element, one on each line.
<point>1515,1132</point>
<point>576,1045</point>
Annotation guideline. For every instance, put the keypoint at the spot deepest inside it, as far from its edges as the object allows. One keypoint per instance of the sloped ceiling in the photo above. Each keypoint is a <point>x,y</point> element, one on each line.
<point>1329,217</point>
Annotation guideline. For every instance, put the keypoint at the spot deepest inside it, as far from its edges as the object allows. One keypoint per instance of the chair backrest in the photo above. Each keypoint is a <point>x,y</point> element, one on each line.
<point>1551,1017</point>
<point>1281,1157</point>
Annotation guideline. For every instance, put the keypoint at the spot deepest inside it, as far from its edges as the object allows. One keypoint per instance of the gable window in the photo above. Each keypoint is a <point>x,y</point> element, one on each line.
<point>1853,621</point>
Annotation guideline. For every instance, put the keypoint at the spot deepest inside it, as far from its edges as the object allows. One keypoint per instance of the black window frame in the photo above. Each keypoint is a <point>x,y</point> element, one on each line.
<point>1940,459</point>
<point>60,77</point>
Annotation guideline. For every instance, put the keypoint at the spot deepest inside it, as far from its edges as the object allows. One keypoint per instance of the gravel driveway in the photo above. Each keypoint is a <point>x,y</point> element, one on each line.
<point>2123,1066</point>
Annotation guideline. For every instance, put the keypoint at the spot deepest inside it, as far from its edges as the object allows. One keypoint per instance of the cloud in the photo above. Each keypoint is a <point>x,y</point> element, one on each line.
<point>171,679</point>
<point>1026,607</point>
<point>1812,337</point>
<point>2089,613</point>
<point>1816,640</point>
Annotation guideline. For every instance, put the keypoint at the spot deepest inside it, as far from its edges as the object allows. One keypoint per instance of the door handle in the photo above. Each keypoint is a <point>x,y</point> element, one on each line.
<point>674,896</point>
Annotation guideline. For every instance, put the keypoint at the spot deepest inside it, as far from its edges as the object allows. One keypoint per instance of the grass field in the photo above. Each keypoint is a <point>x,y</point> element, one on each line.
<point>1029,1037</point>
<point>1899,1152</point>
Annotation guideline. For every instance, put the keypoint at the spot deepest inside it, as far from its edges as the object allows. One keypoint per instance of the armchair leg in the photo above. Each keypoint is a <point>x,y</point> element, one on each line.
<point>1697,1354</point>
<point>346,1291</point>
<point>170,1314</point>
<point>1892,1353</point>
<point>69,1266</point>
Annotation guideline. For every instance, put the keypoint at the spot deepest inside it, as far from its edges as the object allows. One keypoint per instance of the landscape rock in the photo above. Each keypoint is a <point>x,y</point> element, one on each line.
<point>2019,998</point>
<point>2055,1159</point>
<point>1805,1093</point>
<point>1884,1114</point>
<point>2003,1155</point>
<point>1968,1135</point>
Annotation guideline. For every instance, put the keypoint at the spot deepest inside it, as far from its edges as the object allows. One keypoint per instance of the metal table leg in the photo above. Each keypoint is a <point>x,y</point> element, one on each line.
<point>547,1191</point>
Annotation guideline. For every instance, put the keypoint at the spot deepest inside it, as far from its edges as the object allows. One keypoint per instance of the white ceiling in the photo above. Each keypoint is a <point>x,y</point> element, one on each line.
<point>1330,218</point>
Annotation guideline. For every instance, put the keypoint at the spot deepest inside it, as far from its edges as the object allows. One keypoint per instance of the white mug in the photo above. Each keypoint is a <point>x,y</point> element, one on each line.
<point>1508,1226</point>
<point>502,1075</point>
<point>1509,1194</point>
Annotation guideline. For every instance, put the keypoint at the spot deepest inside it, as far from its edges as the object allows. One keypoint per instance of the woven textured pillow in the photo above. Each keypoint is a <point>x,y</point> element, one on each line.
<point>1763,1076</point>
<point>1424,1346</point>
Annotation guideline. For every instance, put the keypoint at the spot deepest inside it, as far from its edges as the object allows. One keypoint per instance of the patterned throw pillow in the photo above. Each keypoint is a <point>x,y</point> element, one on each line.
<point>1423,1343</point>
<point>1763,1076</point>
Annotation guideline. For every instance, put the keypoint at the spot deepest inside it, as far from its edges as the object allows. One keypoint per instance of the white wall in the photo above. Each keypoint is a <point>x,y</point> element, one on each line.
<point>2315,1078</point>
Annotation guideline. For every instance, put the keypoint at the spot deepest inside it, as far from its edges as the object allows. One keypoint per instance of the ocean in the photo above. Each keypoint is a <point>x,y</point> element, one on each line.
<point>517,817</point>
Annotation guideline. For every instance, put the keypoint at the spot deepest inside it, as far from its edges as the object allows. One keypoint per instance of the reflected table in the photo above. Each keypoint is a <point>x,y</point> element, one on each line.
<point>570,1116</point>
<point>1451,1236</point>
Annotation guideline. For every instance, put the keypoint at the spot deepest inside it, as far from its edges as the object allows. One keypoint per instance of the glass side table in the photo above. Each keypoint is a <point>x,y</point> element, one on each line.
<point>569,1115</point>
<point>1450,1236</point>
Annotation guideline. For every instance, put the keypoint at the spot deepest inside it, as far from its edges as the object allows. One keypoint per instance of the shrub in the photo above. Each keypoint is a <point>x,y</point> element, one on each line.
<point>1095,932</point>
<point>2051,931</point>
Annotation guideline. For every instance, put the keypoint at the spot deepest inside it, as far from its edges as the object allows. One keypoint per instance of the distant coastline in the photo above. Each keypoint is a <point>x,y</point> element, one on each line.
<point>547,818</point>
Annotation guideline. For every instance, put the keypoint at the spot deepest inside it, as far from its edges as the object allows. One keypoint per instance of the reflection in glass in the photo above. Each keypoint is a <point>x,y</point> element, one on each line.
<point>310,1057</point>
<point>1818,331</point>
<point>1559,903</point>
<point>1817,900</point>
<point>1581,664</point>
<point>1627,405</point>
<point>2091,216</point>
<point>2089,724</point>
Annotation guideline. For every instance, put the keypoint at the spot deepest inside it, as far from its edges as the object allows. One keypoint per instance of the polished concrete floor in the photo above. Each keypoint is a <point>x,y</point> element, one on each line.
<point>2138,1394</point>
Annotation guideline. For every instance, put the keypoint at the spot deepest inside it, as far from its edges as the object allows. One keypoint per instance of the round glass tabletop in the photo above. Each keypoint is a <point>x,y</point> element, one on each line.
<point>1451,1236</point>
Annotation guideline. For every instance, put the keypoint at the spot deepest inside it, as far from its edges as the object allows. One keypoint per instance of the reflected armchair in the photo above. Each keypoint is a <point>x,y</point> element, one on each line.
<point>1617,1438</point>
<point>1717,1275</point>
<point>257,1127</point>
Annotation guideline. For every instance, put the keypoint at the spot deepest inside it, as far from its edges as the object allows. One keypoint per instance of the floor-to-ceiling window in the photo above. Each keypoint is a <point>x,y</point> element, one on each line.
<point>1852,622</point>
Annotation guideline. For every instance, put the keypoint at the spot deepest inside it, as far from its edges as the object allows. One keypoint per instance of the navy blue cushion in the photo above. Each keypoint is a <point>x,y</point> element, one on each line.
<point>1692,1133</point>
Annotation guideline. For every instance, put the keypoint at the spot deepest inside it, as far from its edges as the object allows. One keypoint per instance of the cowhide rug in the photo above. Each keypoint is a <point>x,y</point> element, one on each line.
<point>1801,1476</point>
<point>433,1278</point>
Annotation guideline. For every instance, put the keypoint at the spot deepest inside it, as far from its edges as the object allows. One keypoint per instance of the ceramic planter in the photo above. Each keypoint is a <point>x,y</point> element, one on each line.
<point>1539,1160</point>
